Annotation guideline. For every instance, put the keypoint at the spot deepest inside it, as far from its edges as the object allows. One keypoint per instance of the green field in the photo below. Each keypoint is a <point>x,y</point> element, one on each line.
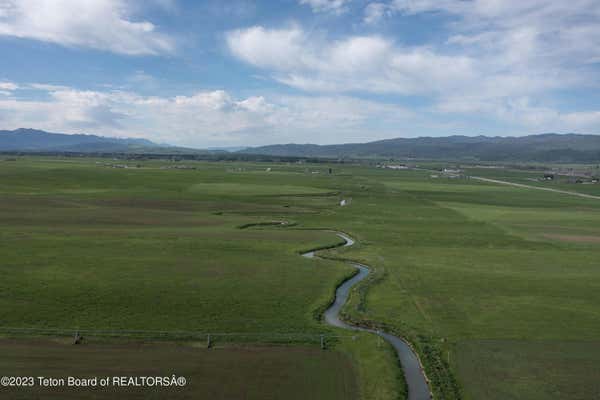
<point>497,287</point>
<point>220,373</point>
<point>530,369</point>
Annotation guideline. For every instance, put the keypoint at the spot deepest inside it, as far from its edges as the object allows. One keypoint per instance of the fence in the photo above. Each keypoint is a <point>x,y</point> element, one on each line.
<point>211,338</point>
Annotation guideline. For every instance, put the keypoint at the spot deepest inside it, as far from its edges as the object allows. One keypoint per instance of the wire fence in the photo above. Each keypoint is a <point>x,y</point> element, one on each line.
<point>211,338</point>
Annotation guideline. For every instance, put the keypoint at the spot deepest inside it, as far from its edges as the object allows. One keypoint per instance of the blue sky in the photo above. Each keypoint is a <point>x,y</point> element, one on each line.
<point>215,73</point>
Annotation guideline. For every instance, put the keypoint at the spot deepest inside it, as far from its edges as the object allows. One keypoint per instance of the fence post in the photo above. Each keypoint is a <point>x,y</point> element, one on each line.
<point>322,342</point>
<point>208,341</point>
<point>77,338</point>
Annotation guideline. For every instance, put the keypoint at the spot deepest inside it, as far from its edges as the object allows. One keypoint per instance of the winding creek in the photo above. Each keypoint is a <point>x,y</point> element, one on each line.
<point>418,389</point>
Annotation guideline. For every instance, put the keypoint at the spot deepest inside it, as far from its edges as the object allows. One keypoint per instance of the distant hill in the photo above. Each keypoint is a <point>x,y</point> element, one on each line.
<point>549,147</point>
<point>32,140</point>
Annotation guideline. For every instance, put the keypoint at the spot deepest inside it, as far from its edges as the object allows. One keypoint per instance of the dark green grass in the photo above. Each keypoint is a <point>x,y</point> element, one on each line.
<point>251,372</point>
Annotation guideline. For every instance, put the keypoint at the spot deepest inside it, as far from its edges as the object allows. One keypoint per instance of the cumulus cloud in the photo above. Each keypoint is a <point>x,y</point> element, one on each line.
<point>99,24</point>
<point>280,49</point>
<point>330,6</point>
<point>216,118</point>
<point>377,64</point>
<point>204,118</point>
<point>499,57</point>
<point>358,63</point>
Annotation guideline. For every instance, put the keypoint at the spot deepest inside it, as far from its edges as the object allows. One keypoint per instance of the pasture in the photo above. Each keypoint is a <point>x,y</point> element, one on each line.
<point>498,288</point>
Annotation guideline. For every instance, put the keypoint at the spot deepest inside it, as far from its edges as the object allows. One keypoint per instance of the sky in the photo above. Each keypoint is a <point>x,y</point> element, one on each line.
<point>244,73</point>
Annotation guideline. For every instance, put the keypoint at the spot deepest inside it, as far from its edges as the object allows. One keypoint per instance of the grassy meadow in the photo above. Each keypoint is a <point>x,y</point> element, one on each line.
<point>497,287</point>
<point>463,262</point>
<point>90,247</point>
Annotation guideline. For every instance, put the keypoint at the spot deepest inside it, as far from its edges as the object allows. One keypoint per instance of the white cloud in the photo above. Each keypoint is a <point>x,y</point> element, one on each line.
<point>583,119</point>
<point>204,118</point>
<point>330,6</point>
<point>279,49</point>
<point>497,54</point>
<point>47,87</point>
<point>216,118</point>
<point>374,12</point>
<point>559,31</point>
<point>8,86</point>
<point>98,24</point>
<point>524,114</point>
<point>379,65</point>
<point>525,50</point>
<point>359,63</point>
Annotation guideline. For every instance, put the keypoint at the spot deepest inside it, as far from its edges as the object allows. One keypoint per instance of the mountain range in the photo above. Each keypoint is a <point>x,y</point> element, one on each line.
<point>32,140</point>
<point>549,147</point>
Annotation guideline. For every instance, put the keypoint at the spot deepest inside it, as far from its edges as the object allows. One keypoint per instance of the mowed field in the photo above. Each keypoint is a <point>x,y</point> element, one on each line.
<point>497,287</point>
